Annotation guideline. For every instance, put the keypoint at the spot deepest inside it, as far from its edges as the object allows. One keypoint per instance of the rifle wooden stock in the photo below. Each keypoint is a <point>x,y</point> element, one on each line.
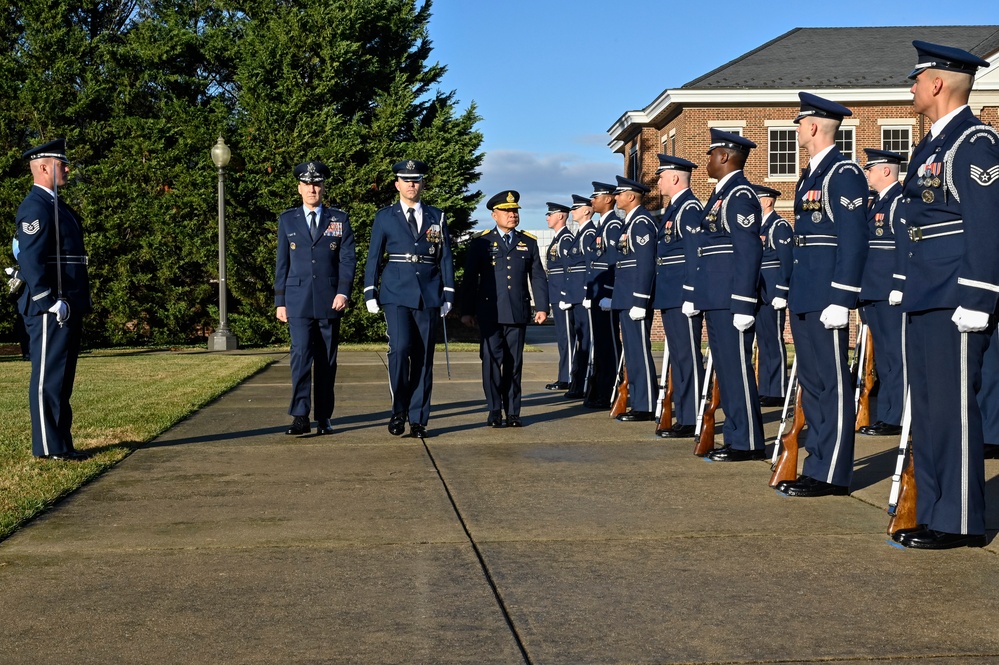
<point>905,511</point>
<point>706,440</point>
<point>620,404</point>
<point>866,384</point>
<point>786,467</point>
<point>666,415</point>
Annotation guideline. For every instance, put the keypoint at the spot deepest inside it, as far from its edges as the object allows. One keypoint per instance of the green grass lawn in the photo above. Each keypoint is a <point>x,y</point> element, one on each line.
<point>121,399</point>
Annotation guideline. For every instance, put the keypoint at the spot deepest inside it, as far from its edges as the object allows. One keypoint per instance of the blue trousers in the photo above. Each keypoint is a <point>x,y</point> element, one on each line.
<point>732,352</point>
<point>412,333</point>
<point>502,354</point>
<point>581,352</point>
<point>566,339</point>
<point>772,354</point>
<point>827,398</point>
<point>606,340</point>
<point>886,331</point>
<point>54,351</point>
<point>314,344</point>
<point>638,360</point>
<point>988,394</point>
<point>683,336</point>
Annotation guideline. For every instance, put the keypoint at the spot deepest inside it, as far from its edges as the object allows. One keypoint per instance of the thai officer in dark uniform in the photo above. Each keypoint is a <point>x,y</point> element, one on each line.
<point>581,212</point>
<point>830,226</point>
<point>883,318</point>
<point>683,334</point>
<point>410,274</point>
<point>949,202</point>
<point>556,266</point>
<point>775,282</point>
<point>723,270</point>
<point>634,280</point>
<point>495,296</point>
<point>312,282</point>
<point>606,333</point>
<point>54,299</point>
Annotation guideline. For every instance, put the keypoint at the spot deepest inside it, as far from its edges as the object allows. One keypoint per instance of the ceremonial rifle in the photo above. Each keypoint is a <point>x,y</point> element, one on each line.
<point>783,414</point>
<point>620,391</point>
<point>706,438</point>
<point>786,467</point>
<point>865,382</point>
<point>702,401</point>
<point>589,361</point>
<point>898,479</point>
<point>856,364</point>
<point>662,406</point>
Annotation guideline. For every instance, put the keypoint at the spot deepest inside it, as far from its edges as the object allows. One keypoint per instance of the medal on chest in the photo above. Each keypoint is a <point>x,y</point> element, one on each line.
<point>712,216</point>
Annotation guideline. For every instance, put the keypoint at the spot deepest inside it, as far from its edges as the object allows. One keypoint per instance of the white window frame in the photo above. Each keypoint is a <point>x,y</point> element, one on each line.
<point>908,147</point>
<point>793,176</point>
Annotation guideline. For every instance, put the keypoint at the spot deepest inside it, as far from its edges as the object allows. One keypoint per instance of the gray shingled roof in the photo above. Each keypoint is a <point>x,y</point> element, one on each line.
<point>863,57</point>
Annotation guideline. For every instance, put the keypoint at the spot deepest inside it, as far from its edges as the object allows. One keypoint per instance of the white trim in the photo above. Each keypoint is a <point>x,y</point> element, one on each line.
<point>965,435</point>
<point>844,287</point>
<point>978,285</point>
<point>840,397</point>
<point>745,389</point>
<point>906,123</point>
<point>723,124</point>
<point>41,384</point>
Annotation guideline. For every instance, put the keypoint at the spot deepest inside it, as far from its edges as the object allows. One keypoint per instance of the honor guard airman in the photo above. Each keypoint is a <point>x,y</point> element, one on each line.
<point>581,212</point>
<point>634,280</point>
<point>606,334</point>
<point>722,276</point>
<point>883,319</point>
<point>312,282</point>
<point>410,275</point>
<point>949,202</point>
<point>499,266</point>
<point>775,281</point>
<point>556,267</point>
<point>830,226</point>
<point>54,300</point>
<point>683,334</point>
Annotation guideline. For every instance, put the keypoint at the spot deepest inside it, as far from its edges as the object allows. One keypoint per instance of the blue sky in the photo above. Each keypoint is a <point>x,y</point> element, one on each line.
<point>550,77</point>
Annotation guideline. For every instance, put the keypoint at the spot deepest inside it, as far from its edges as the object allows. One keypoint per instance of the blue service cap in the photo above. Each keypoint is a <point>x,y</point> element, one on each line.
<point>875,157</point>
<point>720,139</point>
<point>411,170</point>
<point>601,188</point>
<point>312,173</point>
<point>556,207</point>
<point>580,201</point>
<point>672,163</point>
<point>629,185</point>
<point>508,199</point>
<point>935,56</point>
<point>763,190</point>
<point>819,107</point>
<point>55,149</point>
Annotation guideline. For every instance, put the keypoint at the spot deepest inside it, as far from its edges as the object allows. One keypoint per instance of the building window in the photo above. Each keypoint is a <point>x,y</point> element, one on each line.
<point>783,152</point>
<point>898,139</point>
<point>844,141</point>
<point>672,142</point>
<point>633,172</point>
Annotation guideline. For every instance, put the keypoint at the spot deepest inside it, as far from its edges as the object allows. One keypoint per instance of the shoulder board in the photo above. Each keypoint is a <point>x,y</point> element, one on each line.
<point>335,209</point>
<point>482,233</point>
<point>532,237</point>
<point>291,208</point>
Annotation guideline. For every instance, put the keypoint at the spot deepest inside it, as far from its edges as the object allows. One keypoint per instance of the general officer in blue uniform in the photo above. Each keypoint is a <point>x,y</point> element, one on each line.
<point>495,296</point>
<point>775,282</point>
<point>683,333</point>
<point>949,202</point>
<point>723,270</point>
<point>581,212</point>
<point>556,268</point>
<point>634,280</point>
<point>606,332</point>
<point>312,282</point>
<point>883,318</point>
<point>830,250</point>
<point>410,274</point>
<point>56,297</point>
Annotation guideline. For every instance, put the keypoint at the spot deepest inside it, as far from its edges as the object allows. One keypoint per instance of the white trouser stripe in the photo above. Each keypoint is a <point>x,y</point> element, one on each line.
<point>965,463</point>
<point>783,356</point>
<point>569,342</point>
<point>388,372</point>
<point>745,389</point>
<point>693,358</point>
<point>650,370</point>
<point>839,408</point>
<point>41,384</point>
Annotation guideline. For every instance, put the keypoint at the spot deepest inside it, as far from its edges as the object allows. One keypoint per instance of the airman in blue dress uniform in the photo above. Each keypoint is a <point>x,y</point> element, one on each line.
<point>949,203</point>
<point>723,268</point>
<point>830,250</point>
<point>775,282</point>
<point>496,297</point>
<point>556,268</point>
<point>410,275</point>
<point>606,333</point>
<point>581,212</point>
<point>683,333</point>
<point>883,318</point>
<point>54,300</point>
<point>312,282</point>
<point>634,280</point>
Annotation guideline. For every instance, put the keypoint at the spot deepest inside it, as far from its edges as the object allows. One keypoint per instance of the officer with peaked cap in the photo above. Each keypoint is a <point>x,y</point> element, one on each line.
<point>634,280</point>
<point>312,282</point>
<point>410,274</point>
<point>830,250</point>
<point>683,334</point>
<point>54,300</point>
<point>499,265</point>
<point>949,199</point>
<point>606,334</point>
<point>775,280</point>
<point>883,319</point>
<point>581,212</point>
<point>556,267</point>
<point>723,269</point>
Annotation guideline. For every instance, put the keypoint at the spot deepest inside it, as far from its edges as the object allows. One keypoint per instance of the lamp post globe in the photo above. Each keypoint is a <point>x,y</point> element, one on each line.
<point>222,339</point>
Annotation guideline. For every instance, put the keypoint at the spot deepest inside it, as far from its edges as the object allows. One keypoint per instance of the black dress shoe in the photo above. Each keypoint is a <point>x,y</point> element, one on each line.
<point>677,431</point>
<point>880,428</point>
<point>300,425</point>
<point>418,431</point>
<point>596,404</point>
<point>324,426</point>
<point>931,539</point>
<point>729,454</point>
<point>558,385</point>
<point>575,394</point>
<point>901,533</point>
<point>806,486</point>
<point>495,419</point>
<point>513,421</point>
<point>71,456</point>
<point>397,425</point>
<point>632,416</point>
<point>767,400</point>
<point>991,451</point>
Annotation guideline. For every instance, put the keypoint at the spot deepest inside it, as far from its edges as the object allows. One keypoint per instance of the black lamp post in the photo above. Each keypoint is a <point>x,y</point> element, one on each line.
<point>222,339</point>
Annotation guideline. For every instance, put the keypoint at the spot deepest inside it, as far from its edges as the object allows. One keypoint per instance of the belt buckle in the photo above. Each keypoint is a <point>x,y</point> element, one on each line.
<point>413,258</point>
<point>700,251</point>
<point>915,233</point>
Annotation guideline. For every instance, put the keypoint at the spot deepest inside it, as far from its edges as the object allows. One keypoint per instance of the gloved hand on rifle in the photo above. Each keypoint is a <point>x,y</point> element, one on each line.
<point>688,309</point>
<point>834,317</point>
<point>587,303</point>
<point>969,320</point>
<point>743,322</point>
<point>636,313</point>
<point>605,304</point>
<point>564,306</point>
<point>778,303</point>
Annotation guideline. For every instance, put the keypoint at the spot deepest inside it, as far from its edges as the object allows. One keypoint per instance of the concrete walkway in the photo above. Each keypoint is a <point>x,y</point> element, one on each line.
<point>574,540</point>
